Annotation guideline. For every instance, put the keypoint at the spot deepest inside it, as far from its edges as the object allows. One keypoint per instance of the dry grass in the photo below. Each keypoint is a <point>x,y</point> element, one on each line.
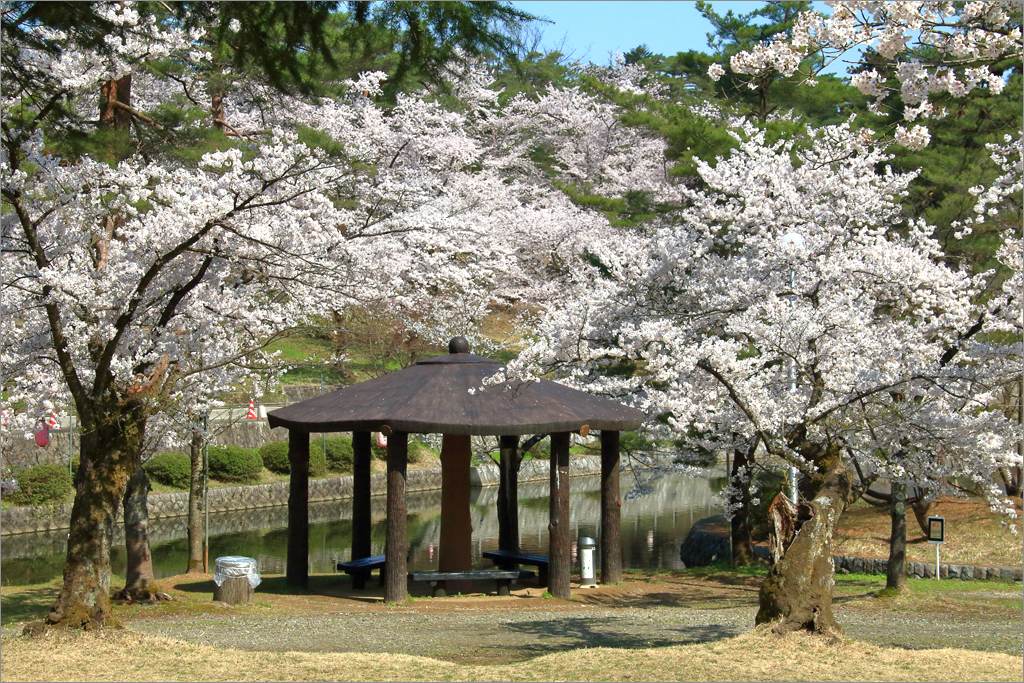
<point>122,655</point>
<point>974,535</point>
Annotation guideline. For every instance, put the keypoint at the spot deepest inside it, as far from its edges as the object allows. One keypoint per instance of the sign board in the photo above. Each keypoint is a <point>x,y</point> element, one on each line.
<point>936,529</point>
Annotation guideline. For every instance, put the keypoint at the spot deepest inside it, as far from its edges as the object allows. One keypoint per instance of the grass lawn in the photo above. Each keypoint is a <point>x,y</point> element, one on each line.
<point>693,625</point>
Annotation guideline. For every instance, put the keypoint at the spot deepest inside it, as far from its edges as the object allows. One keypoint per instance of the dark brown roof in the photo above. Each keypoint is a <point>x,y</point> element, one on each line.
<point>433,396</point>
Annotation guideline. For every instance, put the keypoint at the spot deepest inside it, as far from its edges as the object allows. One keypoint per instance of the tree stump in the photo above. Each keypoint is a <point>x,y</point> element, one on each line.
<point>234,591</point>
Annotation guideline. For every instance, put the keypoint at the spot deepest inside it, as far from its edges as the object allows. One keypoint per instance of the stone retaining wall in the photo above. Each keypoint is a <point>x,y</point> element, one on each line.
<point>708,542</point>
<point>23,520</point>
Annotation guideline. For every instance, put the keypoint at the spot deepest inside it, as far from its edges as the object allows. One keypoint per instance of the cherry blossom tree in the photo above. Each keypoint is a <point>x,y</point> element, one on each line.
<point>933,48</point>
<point>134,286</point>
<point>789,303</point>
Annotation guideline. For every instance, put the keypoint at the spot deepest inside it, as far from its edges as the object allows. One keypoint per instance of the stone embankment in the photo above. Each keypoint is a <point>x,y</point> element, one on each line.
<point>22,520</point>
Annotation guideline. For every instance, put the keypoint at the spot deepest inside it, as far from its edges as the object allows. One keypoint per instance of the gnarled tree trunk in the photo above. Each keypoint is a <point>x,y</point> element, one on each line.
<point>110,442</point>
<point>797,593</point>
<point>196,556</point>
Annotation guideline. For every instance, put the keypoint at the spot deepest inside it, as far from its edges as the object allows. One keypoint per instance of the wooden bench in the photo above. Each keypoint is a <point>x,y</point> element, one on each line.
<point>502,578</point>
<point>507,559</point>
<point>362,568</point>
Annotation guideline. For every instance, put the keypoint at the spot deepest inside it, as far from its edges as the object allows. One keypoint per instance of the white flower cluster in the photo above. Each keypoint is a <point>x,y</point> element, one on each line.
<point>956,46</point>
<point>916,137</point>
<point>716,317</point>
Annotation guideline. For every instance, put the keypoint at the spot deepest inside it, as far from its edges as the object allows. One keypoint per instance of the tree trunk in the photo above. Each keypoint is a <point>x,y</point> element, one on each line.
<point>739,503</point>
<point>196,557</point>
<point>797,593</point>
<point>140,583</point>
<point>508,493</point>
<point>922,507</point>
<point>896,571</point>
<point>111,93</point>
<point>110,443</point>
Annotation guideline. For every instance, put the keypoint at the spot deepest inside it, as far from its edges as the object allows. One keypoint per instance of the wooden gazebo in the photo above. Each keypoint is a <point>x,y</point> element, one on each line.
<point>445,394</point>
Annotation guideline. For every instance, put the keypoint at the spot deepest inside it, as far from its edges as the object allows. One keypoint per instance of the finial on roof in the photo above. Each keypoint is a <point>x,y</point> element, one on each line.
<point>458,345</point>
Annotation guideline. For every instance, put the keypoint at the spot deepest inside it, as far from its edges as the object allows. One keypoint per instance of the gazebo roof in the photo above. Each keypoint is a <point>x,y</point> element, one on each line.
<point>434,396</point>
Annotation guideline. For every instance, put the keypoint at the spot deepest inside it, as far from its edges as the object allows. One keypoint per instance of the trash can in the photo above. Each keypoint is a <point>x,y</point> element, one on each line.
<point>587,550</point>
<point>235,578</point>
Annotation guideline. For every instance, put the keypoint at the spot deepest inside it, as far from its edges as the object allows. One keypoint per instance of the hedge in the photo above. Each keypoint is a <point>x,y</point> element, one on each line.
<point>170,468</point>
<point>339,453</point>
<point>275,457</point>
<point>41,484</point>
<point>235,464</point>
<point>418,451</point>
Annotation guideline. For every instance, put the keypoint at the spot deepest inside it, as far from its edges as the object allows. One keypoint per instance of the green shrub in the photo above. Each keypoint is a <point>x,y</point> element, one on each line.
<point>235,464</point>
<point>339,454</point>
<point>170,468</point>
<point>275,457</point>
<point>418,451</point>
<point>41,485</point>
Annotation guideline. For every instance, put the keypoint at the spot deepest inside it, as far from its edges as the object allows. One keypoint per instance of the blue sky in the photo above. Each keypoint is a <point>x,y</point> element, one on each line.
<point>593,30</point>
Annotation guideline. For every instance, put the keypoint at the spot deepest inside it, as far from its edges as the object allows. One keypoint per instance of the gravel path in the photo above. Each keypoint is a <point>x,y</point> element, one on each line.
<point>490,635</point>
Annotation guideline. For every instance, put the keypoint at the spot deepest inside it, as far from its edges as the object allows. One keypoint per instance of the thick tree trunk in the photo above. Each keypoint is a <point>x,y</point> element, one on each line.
<point>110,444</point>
<point>508,493</point>
<point>797,593</point>
<point>896,570</point>
<point>739,503</point>
<point>196,556</point>
<point>140,583</point>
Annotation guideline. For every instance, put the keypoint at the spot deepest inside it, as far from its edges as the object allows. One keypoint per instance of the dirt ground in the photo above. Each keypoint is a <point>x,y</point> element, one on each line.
<point>685,625</point>
<point>645,611</point>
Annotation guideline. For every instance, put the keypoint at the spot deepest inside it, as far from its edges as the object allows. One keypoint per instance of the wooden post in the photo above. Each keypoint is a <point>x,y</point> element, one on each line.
<point>611,507</point>
<point>558,524</point>
<point>455,546</point>
<point>395,584</point>
<point>298,509</point>
<point>362,524</point>
<point>508,493</point>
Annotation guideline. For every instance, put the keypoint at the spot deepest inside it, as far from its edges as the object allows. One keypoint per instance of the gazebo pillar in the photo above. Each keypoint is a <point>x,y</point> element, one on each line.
<point>558,524</point>
<point>508,494</point>
<point>298,509</point>
<point>455,548</point>
<point>397,545</point>
<point>362,524</point>
<point>611,508</point>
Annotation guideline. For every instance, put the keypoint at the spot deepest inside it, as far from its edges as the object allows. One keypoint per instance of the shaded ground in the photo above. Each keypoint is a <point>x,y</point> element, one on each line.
<point>652,611</point>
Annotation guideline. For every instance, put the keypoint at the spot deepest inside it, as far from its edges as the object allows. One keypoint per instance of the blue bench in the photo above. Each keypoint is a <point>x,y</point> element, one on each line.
<point>507,559</point>
<point>361,569</point>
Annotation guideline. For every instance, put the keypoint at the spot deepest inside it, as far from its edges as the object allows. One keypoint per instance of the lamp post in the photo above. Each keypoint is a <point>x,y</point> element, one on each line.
<point>792,242</point>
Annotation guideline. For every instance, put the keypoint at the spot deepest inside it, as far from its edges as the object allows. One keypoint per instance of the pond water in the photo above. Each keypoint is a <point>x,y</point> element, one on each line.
<point>654,525</point>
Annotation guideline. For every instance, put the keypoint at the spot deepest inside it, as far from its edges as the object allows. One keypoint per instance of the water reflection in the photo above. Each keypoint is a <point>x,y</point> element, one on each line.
<point>653,526</point>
